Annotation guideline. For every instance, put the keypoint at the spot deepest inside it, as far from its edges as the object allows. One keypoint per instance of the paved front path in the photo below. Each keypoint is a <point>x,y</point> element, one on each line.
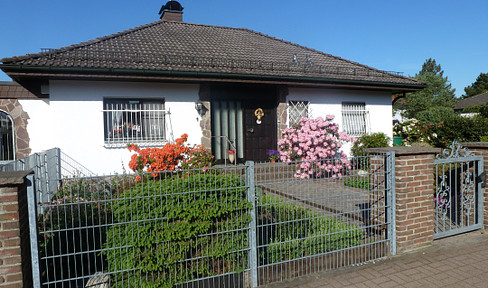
<point>460,261</point>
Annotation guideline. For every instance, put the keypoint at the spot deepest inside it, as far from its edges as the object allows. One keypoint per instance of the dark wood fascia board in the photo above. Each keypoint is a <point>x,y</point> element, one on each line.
<point>37,74</point>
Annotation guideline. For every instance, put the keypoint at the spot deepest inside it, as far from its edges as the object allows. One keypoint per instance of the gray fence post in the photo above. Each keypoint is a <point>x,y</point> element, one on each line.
<point>31,206</point>
<point>253,251</point>
<point>391,199</point>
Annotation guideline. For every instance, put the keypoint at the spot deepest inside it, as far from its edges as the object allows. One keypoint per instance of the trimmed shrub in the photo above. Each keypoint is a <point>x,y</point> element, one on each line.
<point>295,231</point>
<point>161,225</point>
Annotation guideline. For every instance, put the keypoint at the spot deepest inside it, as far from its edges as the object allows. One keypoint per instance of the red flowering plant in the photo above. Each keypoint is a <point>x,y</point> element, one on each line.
<point>171,157</point>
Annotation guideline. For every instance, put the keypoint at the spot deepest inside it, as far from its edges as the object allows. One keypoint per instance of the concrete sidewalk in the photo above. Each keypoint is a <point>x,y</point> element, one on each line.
<point>459,261</point>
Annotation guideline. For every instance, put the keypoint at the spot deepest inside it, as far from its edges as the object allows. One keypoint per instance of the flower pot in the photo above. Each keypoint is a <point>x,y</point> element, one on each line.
<point>232,157</point>
<point>397,141</point>
<point>272,160</point>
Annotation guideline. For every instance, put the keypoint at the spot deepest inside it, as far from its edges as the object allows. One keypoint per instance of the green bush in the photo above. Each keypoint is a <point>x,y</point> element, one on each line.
<point>435,114</point>
<point>462,129</point>
<point>361,183</point>
<point>374,140</point>
<point>161,225</point>
<point>293,231</point>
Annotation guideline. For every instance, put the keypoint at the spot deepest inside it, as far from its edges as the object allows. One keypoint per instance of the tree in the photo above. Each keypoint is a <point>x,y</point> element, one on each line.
<point>478,87</point>
<point>438,92</point>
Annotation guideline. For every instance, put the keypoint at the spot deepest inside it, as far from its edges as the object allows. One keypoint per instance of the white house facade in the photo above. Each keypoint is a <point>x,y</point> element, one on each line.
<point>150,84</point>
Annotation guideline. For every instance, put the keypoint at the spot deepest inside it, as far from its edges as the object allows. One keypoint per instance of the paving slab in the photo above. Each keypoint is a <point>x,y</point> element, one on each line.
<point>457,261</point>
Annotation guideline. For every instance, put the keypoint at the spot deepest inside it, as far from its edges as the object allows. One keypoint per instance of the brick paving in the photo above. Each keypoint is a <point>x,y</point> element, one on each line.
<point>459,261</point>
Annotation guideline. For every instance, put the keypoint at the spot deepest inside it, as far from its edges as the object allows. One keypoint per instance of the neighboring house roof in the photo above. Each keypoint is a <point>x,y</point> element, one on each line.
<point>177,50</point>
<point>12,90</point>
<point>475,100</point>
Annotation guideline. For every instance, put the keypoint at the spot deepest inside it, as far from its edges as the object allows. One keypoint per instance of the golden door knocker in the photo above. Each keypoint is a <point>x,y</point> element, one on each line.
<point>259,114</point>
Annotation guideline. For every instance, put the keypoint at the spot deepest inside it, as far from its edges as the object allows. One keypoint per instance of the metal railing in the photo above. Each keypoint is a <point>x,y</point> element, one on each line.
<point>355,120</point>
<point>49,168</point>
<point>234,226</point>
<point>143,124</point>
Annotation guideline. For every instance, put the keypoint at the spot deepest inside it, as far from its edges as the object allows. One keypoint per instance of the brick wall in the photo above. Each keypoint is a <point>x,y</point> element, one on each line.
<point>414,186</point>
<point>12,245</point>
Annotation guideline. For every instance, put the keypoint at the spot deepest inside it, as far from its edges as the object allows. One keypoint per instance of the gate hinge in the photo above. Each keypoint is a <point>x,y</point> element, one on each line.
<point>482,179</point>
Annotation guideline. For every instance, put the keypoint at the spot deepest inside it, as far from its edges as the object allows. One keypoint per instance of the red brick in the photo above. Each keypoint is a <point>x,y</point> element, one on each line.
<point>14,277</point>
<point>9,216</point>
<point>12,260</point>
<point>10,225</point>
<point>13,242</point>
<point>10,270</point>
<point>9,252</point>
<point>8,198</point>
<point>10,207</point>
<point>9,234</point>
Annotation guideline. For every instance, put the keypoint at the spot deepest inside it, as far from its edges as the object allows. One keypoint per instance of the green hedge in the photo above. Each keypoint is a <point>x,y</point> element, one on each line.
<point>160,224</point>
<point>294,231</point>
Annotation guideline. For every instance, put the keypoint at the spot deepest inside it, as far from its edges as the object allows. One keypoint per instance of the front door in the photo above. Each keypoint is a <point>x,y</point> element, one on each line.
<point>234,122</point>
<point>260,135</point>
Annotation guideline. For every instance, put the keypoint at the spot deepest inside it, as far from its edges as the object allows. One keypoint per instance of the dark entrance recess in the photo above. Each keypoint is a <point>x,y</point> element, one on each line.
<point>233,118</point>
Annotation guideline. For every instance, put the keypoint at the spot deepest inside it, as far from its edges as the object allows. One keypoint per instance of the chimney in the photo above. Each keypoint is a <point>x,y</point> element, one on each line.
<point>172,11</point>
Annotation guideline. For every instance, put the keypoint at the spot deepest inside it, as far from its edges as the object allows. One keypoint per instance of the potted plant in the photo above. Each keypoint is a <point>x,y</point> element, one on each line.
<point>232,155</point>
<point>273,155</point>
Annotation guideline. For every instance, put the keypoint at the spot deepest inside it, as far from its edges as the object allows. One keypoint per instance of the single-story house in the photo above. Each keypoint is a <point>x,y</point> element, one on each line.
<point>150,84</point>
<point>463,105</point>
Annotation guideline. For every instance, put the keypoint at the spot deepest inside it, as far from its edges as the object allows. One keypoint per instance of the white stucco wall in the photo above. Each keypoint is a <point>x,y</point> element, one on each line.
<point>329,101</point>
<point>72,119</point>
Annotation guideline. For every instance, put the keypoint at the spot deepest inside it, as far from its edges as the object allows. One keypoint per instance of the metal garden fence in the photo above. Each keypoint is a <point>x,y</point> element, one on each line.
<point>231,226</point>
<point>458,191</point>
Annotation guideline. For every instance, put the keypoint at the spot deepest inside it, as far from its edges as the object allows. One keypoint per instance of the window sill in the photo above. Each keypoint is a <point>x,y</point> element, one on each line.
<point>141,144</point>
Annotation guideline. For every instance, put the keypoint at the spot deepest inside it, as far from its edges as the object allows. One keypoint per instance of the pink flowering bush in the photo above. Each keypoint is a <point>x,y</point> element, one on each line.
<point>316,144</point>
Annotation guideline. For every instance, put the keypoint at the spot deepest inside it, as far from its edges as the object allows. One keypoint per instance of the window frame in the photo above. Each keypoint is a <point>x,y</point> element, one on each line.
<point>351,115</point>
<point>9,142</point>
<point>142,125</point>
<point>293,106</point>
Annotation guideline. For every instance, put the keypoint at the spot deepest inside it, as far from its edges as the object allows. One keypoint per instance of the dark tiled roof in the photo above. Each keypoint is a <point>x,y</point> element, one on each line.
<point>475,100</point>
<point>12,90</point>
<point>185,47</point>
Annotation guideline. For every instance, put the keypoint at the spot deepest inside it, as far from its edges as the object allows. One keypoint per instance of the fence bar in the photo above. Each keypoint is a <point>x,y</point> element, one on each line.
<point>251,196</point>
<point>391,198</point>
<point>31,204</point>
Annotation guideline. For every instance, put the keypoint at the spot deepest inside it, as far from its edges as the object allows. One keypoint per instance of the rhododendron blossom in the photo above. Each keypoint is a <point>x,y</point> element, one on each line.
<point>171,157</point>
<point>316,143</point>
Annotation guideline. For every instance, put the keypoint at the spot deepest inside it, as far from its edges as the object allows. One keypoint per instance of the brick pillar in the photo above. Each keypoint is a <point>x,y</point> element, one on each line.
<point>12,246</point>
<point>414,188</point>
<point>481,148</point>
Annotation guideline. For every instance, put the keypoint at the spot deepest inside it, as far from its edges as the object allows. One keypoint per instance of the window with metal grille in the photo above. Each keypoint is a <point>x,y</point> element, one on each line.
<point>297,110</point>
<point>355,118</point>
<point>140,122</point>
<point>7,148</point>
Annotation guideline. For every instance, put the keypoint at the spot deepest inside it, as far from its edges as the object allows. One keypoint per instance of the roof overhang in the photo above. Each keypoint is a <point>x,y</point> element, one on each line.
<point>33,77</point>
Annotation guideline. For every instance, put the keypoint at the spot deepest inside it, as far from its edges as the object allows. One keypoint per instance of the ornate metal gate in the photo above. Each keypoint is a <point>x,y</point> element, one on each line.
<point>459,182</point>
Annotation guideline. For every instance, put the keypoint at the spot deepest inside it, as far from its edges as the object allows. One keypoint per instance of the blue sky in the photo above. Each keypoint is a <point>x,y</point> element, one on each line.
<point>389,35</point>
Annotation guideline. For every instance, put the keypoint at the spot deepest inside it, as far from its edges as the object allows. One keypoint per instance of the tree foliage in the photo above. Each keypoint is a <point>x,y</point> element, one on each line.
<point>438,92</point>
<point>478,87</point>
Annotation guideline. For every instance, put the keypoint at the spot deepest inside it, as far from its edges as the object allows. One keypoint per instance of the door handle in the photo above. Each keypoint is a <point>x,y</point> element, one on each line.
<point>250,130</point>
